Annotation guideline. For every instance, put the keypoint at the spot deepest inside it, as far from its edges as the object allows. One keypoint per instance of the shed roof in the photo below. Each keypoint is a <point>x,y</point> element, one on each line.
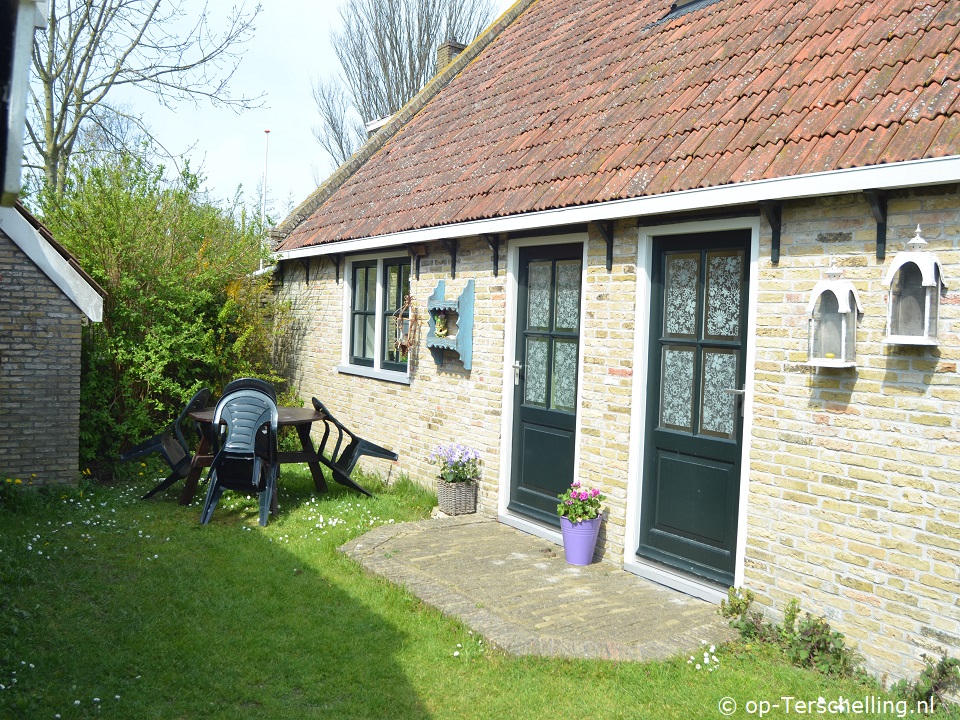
<point>578,102</point>
<point>56,262</point>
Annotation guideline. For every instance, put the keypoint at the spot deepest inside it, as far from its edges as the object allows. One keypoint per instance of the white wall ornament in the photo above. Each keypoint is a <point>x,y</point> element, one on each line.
<point>833,311</point>
<point>915,283</point>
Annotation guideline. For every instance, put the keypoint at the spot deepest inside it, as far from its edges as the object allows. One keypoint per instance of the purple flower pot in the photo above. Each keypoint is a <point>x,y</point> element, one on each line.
<point>579,540</point>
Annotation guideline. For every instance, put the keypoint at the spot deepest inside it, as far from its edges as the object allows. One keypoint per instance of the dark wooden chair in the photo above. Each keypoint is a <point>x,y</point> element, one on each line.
<point>245,447</point>
<point>172,444</point>
<point>346,449</point>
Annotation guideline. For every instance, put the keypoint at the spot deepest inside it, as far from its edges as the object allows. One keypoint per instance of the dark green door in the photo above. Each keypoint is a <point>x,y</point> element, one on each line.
<point>691,472</point>
<point>545,378</point>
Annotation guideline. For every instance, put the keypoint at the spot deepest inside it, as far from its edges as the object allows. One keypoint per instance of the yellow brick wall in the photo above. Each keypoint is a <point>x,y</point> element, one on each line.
<point>854,489</point>
<point>854,479</point>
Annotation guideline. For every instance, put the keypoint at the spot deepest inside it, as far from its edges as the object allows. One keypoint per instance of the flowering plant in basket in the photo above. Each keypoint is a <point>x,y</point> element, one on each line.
<point>579,502</point>
<point>457,463</point>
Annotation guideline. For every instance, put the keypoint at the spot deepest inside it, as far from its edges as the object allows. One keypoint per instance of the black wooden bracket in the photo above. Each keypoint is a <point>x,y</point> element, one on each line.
<point>451,246</point>
<point>417,252</point>
<point>773,212</point>
<point>336,260</point>
<point>305,264</point>
<point>878,206</point>
<point>494,242</point>
<point>605,228</point>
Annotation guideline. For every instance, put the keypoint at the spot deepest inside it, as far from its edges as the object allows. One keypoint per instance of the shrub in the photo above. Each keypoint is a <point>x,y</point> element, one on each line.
<point>184,309</point>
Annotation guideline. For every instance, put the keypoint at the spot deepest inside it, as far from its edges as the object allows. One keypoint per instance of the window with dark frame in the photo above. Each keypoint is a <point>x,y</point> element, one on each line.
<point>396,274</point>
<point>363,313</point>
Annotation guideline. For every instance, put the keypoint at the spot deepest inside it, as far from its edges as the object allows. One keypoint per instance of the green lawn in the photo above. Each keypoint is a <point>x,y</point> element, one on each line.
<point>115,608</point>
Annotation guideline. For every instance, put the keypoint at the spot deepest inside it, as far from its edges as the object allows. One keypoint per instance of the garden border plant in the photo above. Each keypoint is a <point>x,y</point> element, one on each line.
<point>810,642</point>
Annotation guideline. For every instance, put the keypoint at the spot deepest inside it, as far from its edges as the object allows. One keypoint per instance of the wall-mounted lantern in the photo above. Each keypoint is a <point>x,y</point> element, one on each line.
<point>915,282</point>
<point>833,309</point>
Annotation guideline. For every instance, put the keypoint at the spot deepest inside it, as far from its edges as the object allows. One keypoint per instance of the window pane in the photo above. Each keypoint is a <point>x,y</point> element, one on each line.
<point>393,287</point>
<point>827,328</point>
<point>564,384</point>
<point>718,408</point>
<point>359,288</point>
<point>724,281</point>
<point>368,323</point>
<point>568,295</point>
<point>909,297</point>
<point>359,341</point>
<point>676,396</point>
<point>371,299</point>
<point>539,279</point>
<point>535,373</point>
<point>682,292</point>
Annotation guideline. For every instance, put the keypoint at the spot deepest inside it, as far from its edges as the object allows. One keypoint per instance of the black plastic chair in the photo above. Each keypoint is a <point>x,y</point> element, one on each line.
<point>246,461</point>
<point>172,445</point>
<point>346,450</point>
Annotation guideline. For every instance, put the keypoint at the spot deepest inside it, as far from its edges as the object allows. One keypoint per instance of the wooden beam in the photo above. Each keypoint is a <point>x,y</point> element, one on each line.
<point>773,212</point>
<point>305,264</point>
<point>494,242</point>
<point>605,228</point>
<point>336,259</point>
<point>417,252</point>
<point>451,246</point>
<point>878,206</point>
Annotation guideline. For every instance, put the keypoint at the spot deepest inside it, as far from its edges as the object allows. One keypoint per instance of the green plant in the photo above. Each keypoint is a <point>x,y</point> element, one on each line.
<point>579,502</point>
<point>749,623</point>
<point>183,308</point>
<point>816,645</point>
<point>935,683</point>
<point>809,642</point>
<point>457,463</point>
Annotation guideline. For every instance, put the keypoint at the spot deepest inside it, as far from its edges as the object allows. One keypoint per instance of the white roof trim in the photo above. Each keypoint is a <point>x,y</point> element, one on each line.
<point>912,173</point>
<point>52,263</point>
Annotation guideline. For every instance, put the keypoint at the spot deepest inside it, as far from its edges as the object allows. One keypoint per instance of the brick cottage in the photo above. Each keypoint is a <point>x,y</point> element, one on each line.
<point>667,238</point>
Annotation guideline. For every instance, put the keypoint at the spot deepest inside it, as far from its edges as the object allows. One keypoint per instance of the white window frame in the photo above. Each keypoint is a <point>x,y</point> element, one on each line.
<point>376,372</point>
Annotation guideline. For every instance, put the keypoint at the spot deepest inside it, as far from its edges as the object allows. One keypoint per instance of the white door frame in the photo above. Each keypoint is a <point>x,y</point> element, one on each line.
<point>511,288</point>
<point>652,571</point>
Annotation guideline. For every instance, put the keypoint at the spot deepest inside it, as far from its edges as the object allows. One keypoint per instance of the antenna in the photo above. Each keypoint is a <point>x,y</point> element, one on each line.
<point>263,189</point>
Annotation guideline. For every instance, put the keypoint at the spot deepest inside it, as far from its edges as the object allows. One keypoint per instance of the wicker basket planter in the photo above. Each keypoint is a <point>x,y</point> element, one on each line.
<point>457,498</point>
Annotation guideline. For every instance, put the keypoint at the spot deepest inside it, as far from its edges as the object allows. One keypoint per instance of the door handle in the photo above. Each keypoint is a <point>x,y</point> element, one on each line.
<point>739,393</point>
<point>517,365</point>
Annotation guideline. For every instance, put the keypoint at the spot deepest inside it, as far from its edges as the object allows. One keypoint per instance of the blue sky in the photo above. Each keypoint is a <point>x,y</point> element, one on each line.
<point>290,50</point>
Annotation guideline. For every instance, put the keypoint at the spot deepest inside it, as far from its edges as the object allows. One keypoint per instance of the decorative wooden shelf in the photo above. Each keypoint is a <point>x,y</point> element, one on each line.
<point>462,308</point>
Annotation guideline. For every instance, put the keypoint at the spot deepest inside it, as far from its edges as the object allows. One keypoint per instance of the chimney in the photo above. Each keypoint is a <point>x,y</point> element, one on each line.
<point>447,52</point>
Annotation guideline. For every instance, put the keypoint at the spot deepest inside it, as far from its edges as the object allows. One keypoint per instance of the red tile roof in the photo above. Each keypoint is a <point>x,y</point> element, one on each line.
<point>584,101</point>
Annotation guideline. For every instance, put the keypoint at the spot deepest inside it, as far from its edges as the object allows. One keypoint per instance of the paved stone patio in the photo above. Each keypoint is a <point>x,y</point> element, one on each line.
<point>518,592</point>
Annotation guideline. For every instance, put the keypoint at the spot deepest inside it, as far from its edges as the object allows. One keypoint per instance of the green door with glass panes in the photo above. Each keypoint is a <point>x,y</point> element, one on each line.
<point>694,438</point>
<point>545,378</point>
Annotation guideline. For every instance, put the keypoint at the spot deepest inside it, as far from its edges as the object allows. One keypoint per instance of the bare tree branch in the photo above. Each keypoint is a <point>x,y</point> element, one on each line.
<point>91,47</point>
<point>387,51</point>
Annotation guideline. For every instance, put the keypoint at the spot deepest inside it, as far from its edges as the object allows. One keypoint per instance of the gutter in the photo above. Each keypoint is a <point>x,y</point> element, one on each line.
<point>911,173</point>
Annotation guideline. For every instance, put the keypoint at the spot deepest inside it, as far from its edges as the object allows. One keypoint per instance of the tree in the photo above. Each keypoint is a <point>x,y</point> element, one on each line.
<point>89,49</point>
<point>387,51</point>
<point>184,307</point>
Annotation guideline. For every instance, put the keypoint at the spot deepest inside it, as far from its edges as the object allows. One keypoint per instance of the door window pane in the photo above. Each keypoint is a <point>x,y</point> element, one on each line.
<point>568,296</point>
<point>724,282</point>
<point>564,381</point>
<point>535,373</point>
<point>681,294</point>
<point>718,408</point>
<point>676,396</point>
<point>539,289</point>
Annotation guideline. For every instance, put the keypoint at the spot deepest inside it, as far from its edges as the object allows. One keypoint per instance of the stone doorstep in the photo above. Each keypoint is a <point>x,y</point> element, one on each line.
<point>669,623</point>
